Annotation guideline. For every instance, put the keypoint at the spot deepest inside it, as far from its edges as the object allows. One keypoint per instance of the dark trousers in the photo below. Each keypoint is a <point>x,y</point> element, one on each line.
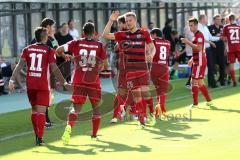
<point>220,60</point>
<point>211,67</point>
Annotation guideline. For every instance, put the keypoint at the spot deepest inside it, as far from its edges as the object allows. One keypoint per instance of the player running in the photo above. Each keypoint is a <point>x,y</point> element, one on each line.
<point>39,59</point>
<point>159,70</point>
<point>89,55</point>
<point>136,46</point>
<point>199,62</point>
<point>231,35</point>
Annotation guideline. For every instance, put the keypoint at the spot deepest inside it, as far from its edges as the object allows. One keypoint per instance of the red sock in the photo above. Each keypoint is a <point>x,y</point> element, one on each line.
<point>141,111</point>
<point>204,91</point>
<point>41,118</point>
<point>149,102</point>
<point>34,122</point>
<point>118,101</point>
<point>195,94</point>
<point>96,119</point>
<point>232,75</point>
<point>72,117</point>
<point>162,102</point>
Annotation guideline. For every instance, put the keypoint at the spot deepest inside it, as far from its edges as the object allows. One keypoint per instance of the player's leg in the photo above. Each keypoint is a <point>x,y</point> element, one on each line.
<point>94,94</point>
<point>146,95</point>
<point>40,120</point>
<point>232,58</point>
<point>119,100</point>
<point>78,99</point>
<point>148,98</point>
<point>140,105</point>
<point>204,91</point>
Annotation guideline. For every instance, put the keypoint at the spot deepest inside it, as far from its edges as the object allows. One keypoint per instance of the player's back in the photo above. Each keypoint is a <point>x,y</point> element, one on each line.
<point>162,53</point>
<point>232,32</point>
<point>88,55</point>
<point>38,58</point>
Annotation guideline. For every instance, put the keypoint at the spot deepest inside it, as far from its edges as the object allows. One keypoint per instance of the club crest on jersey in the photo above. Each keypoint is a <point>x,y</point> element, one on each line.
<point>139,35</point>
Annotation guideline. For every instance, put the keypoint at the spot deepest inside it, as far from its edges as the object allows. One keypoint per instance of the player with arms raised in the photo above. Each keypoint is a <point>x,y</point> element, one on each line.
<point>159,70</point>
<point>231,35</point>
<point>89,56</point>
<point>38,57</point>
<point>199,62</point>
<point>137,47</point>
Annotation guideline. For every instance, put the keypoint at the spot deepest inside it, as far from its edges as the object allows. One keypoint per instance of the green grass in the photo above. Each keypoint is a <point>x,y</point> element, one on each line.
<point>211,134</point>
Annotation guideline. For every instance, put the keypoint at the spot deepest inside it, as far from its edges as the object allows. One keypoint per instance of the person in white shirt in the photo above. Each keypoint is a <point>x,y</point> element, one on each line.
<point>72,31</point>
<point>202,27</point>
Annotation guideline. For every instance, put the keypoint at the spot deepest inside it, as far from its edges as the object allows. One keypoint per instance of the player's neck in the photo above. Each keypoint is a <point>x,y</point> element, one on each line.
<point>133,30</point>
<point>88,37</point>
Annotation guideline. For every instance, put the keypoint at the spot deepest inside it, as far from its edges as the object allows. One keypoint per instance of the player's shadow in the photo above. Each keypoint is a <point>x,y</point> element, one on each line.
<point>67,150</point>
<point>221,109</point>
<point>109,146</point>
<point>99,146</point>
<point>171,129</point>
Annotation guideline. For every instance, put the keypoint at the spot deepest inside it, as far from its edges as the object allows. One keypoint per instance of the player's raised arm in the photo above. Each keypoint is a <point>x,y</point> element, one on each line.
<point>17,69</point>
<point>106,32</point>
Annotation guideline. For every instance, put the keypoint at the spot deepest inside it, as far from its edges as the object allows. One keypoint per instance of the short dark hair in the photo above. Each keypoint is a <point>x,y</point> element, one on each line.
<point>121,19</point>
<point>156,31</point>
<point>40,33</point>
<point>168,21</point>
<point>47,22</point>
<point>88,28</point>
<point>193,20</point>
<point>232,17</point>
<point>69,21</point>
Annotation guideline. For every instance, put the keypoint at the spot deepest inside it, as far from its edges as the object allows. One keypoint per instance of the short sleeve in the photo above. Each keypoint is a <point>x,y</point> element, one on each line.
<point>69,47</point>
<point>148,37</point>
<point>24,53</point>
<point>52,56</point>
<point>118,36</point>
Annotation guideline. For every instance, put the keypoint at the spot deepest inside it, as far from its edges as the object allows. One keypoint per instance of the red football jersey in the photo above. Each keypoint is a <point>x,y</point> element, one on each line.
<point>88,55</point>
<point>38,58</point>
<point>199,58</point>
<point>163,50</point>
<point>232,33</point>
<point>132,46</point>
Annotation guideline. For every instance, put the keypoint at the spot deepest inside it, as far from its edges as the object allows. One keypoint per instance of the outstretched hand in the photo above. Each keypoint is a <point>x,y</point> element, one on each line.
<point>114,16</point>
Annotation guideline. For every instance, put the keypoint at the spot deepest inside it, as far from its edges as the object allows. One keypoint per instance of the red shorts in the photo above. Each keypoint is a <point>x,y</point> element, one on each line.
<point>198,72</point>
<point>39,97</point>
<point>160,79</point>
<point>232,56</point>
<point>81,91</point>
<point>133,80</point>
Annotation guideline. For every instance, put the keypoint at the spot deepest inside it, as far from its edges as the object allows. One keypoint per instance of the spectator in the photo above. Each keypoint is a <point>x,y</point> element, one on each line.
<point>202,26</point>
<point>150,26</point>
<point>2,91</point>
<point>72,31</point>
<point>178,53</point>
<point>167,30</point>
<point>64,37</point>
<point>189,35</point>
<point>218,52</point>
